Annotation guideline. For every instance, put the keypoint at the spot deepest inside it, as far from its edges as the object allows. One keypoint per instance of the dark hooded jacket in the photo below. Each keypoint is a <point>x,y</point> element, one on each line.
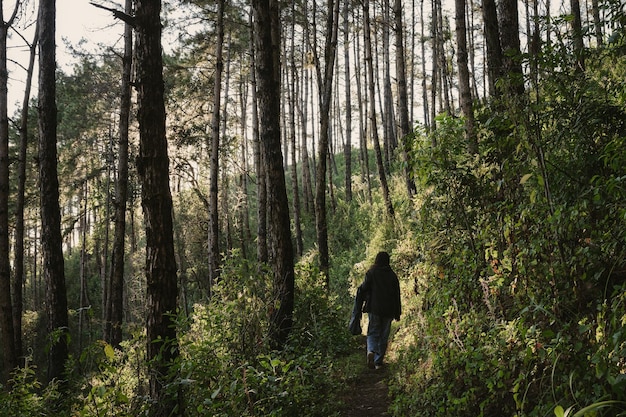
<point>381,289</point>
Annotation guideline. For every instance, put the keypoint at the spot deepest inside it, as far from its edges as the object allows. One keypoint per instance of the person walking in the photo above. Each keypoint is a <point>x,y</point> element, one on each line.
<point>381,291</point>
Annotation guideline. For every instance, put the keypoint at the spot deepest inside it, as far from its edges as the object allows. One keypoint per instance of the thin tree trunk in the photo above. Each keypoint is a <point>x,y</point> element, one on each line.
<point>435,68</point>
<point>362,105</point>
<point>577,36</point>
<point>326,88</point>
<point>470,8</point>
<point>347,150</point>
<point>259,162</point>
<point>19,278</point>
<point>307,183</point>
<point>465,91</point>
<point>115,307</point>
<point>291,91</point>
<point>244,215</point>
<point>444,73</point>
<point>427,122</point>
<point>153,172</point>
<point>374,129</point>
<point>83,261</point>
<point>7,335</point>
<point>224,170</point>
<point>403,102</point>
<point>411,80</point>
<point>214,228</point>
<point>51,240</point>
<point>390,137</point>
<point>597,23</point>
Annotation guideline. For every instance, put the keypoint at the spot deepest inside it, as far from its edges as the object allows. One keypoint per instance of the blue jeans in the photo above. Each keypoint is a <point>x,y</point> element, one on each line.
<point>378,331</point>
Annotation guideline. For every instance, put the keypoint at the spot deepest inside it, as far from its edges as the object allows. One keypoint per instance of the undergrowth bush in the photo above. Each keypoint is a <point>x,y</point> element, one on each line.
<point>518,297</point>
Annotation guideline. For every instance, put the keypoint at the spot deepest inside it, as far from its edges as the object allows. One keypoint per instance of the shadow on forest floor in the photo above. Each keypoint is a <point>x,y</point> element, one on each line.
<point>367,394</point>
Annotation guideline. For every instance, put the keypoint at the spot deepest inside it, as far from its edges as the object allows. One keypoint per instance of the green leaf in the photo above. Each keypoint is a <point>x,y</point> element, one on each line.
<point>109,352</point>
<point>558,411</point>
<point>593,407</point>
<point>525,178</point>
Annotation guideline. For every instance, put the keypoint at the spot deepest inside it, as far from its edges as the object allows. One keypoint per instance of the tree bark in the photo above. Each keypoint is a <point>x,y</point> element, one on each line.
<point>307,187</point>
<point>465,91</point>
<point>434,79</point>
<point>325,83</point>
<point>266,26</point>
<point>597,23</point>
<point>259,161</point>
<point>156,199</point>
<point>403,100</point>
<point>7,335</point>
<point>577,36</point>
<point>370,70</point>
<point>291,93</point>
<point>362,106</point>
<point>427,123</point>
<point>115,307</point>
<point>492,42</point>
<point>214,228</point>
<point>18,279</point>
<point>51,240</point>
<point>347,152</point>
<point>509,39</point>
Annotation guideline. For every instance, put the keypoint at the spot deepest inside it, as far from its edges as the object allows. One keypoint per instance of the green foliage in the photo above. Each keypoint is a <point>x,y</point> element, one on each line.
<point>518,299</point>
<point>227,367</point>
<point>111,388</point>
<point>24,398</point>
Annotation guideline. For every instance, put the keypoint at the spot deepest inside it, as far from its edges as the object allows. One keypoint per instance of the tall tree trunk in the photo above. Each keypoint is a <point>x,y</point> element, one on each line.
<point>492,42</point>
<point>427,123</point>
<point>597,23</point>
<point>83,260</point>
<point>465,91</point>
<point>370,69</point>
<point>325,84</point>
<point>471,47</point>
<point>291,92</point>
<point>509,39</point>
<point>214,227</point>
<point>390,137</point>
<point>266,28</point>
<point>259,161</point>
<point>51,240</point>
<point>18,279</point>
<point>244,217</point>
<point>444,68</point>
<point>9,352</point>
<point>153,170</point>
<point>435,67</point>
<point>347,150</point>
<point>362,105</point>
<point>115,307</point>
<point>307,183</point>
<point>403,100</point>
<point>577,36</point>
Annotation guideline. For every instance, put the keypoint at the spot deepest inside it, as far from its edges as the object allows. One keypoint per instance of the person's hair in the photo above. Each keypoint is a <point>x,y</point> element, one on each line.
<point>382,259</point>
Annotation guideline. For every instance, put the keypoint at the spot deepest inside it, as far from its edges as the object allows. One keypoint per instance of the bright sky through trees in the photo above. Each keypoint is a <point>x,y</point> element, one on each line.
<point>79,25</point>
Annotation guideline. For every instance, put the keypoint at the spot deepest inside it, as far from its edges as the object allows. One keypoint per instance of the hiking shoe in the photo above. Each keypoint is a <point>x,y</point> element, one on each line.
<point>370,360</point>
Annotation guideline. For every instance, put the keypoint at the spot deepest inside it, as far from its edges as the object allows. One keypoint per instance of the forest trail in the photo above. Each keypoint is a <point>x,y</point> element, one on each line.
<point>367,394</point>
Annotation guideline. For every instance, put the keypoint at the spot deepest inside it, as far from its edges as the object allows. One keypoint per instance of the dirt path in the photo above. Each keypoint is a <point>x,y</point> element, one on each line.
<point>367,395</point>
